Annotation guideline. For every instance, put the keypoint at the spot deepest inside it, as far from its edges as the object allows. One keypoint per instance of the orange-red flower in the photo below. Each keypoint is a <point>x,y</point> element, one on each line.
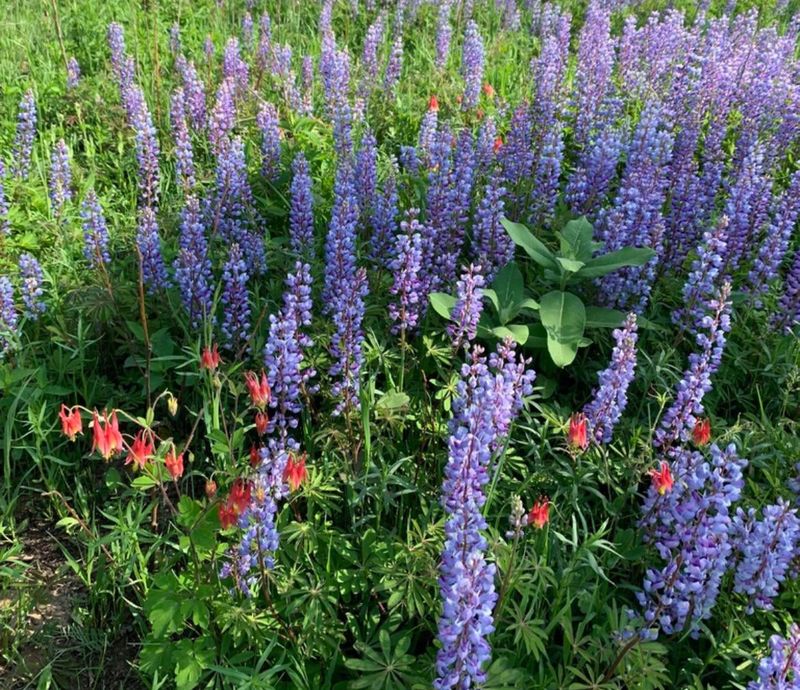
<point>433,103</point>
<point>262,420</point>
<point>236,503</point>
<point>662,478</point>
<point>106,437</point>
<point>71,423</point>
<point>226,516</point>
<point>488,89</point>
<point>142,449</point>
<point>702,431</point>
<point>211,488</point>
<point>539,515</point>
<point>260,393</point>
<point>255,456</point>
<point>174,463</point>
<point>210,359</point>
<point>295,473</point>
<point>498,144</point>
<point>577,434</point>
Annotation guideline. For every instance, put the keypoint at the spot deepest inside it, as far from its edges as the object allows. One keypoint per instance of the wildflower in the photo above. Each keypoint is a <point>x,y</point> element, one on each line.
<point>492,245</point>
<point>235,298</point>
<point>609,401</point>
<point>517,519</point>
<point>788,314</point>
<point>301,211</point>
<point>781,668</point>
<point>267,121</point>
<point>23,141</point>
<point>73,73</point>
<point>539,514</point>
<point>8,315</point>
<point>394,65</point>
<point>577,435</point>
<point>60,177</point>
<point>148,242</point>
<point>174,463</point>
<point>210,489</point>
<point>255,456</point>
<point>5,226</point>
<point>210,358</point>
<point>240,494</point>
<point>384,218</point>
<point>260,393</point>
<point>433,104</point>
<point>472,65</point>
<point>498,144</point>
<point>71,423</point>
<point>95,231</point>
<point>488,89</point>
<point>30,273</point>
<point>468,307</point>
<point>106,439</point>
<point>295,473</point>
<point>444,32</point>
<point>262,421</point>
<point>141,450</point>
<point>184,156</point>
<point>662,478</point>
<point>227,518</point>
<point>701,434</point>
<point>406,267</point>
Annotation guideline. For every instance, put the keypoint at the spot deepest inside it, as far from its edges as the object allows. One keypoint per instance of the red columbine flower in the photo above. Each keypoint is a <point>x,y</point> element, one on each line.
<point>255,456</point>
<point>227,517</point>
<point>433,103</point>
<point>662,478</point>
<point>702,431</point>
<point>211,489</point>
<point>141,449</point>
<point>71,423</point>
<point>174,463</point>
<point>295,473</point>
<point>259,390</point>
<point>498,144</point>
<point>577,435</point>
<point>262,420</point>
<point>539,515</point>
<point>240,495</point>
<point>106,439</point>
<point>488,89</point>
<point>210,358</point>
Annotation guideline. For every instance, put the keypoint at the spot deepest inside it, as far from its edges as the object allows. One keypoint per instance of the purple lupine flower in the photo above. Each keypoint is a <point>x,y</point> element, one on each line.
<point>516,156</point>
<point>347,341</point>
<point>116,45</point>
<point>680,419</point>
<point>788,314</point>
<point>366,174</point>
<point>95,231</point>
<point>394,66</point>
<point>60,177</point>
<point>781,669</point>
<point>23,140</point>
<point>492,246</point>
<point>340,244</point>
<point>444,32</point>
<point>384,218</point>
<point>689,525</point>
<point>468,307</point>
<point>267,121</point>
<point>485,144</point>
<point>184,158</point>
<point>235,299</point>
<point>409,159</point>
<point>472,66</point>
<point>335,70</point>
<point>247,30</point>
<point>610,399</point>
<point>546,175</point>
<point>194,93</point>
<point>343,132</point>
<point>31,277</point>
<point>148,242</point>
<point>264,49</point>
<point>146,144</point>
<point>426,139</point>
<point>307,83</point>
<point>8,316</point>
<point>301,211</point>
<point>5,226</point>
<point>511,19</point>
<point>767,548</point>
<point>260,537</point>
<point>208,49</point>
<point>193,264</point>
<point>747,206</point>
<point>597,166</point>
<point>175,38</point>
<point>776,239</point>
<point>234,68</point>
<point>284,352</point>
<point>636,218</point>
<point>369,55</point>
<point>702,280</point>
<point>223,117</point>
<point>593,73</point>
<point>406,266</point>
<point>486,403</point>
<point>73,74</point>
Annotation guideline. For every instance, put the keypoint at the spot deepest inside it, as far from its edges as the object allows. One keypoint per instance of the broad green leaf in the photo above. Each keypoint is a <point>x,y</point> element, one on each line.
<point>576,239</point>
<point>492,295</point>
<point>510,290</point>
<point>529,303</point>
<point>564,318</point>
<point>532,246</point>
<point>442,304</point>
<point>608,263</point>
<point>516,331</point>
<point>538,337</point>
<point>392,400</point>
<point>600,317</point>
<point>570,265</point>
<point>143,482</point>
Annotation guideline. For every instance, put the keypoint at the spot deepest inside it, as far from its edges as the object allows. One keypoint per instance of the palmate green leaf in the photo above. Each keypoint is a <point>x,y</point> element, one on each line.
<point>564,318</point>
<point>442,304</point>
<point>613,261</point>
<point>533,247</point>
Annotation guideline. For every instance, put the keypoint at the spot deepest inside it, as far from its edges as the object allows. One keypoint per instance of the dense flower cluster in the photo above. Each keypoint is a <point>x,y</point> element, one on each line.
<point>406,265</point>
<point>8,315</point>
<point>95,231</point>
<point>468,307</point>
<point>781,669</point>
<point>5,226</point>
<point>30,273</point>
<point>472,66</point>
<point>193,264</point>
<point>267,121</point>
<point>60,177</point>
<point>235,299</point>
<point>489,396</point>
<point>73,73</point>
<point>610,399</point>
<point>184,156</point>
<point>301,211</point>
<point>23,140</point>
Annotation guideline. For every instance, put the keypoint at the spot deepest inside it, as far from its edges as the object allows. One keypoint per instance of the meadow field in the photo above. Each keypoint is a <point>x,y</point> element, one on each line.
<point>394,344</point>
